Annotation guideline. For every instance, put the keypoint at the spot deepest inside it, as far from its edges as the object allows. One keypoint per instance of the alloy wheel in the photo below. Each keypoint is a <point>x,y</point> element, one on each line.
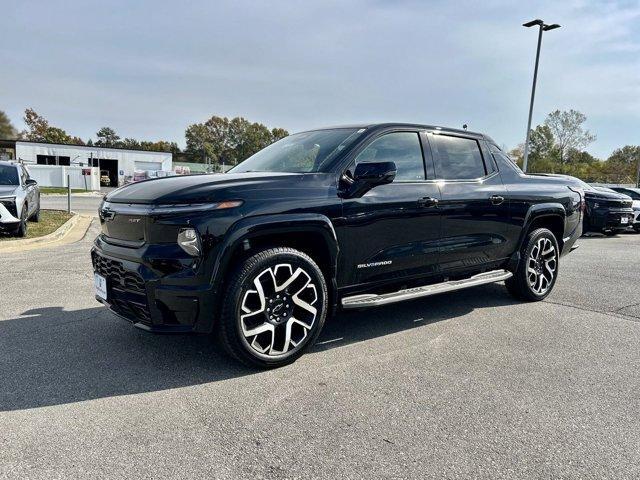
<point>542,265</point>
<point>277,312</point>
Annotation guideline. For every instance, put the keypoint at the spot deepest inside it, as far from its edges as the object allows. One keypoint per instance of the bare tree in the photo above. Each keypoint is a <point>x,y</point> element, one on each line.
<point>568,132</point>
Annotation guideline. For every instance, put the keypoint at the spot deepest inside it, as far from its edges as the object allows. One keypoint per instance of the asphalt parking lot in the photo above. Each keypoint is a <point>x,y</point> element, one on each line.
<point>464,385</point>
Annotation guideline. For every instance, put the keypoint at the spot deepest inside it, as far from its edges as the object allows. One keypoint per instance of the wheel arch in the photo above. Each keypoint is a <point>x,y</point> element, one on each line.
<point>310,233</point>
<point>543,215</point>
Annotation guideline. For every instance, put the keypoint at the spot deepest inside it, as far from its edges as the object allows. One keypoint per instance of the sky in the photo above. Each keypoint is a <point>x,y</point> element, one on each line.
<point>150,68</point>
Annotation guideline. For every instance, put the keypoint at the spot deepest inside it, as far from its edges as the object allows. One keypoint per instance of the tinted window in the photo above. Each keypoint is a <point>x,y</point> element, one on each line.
<point>403,148</point>
<point>9,175</point>
<point>632,193</point>
<point>458,158</point>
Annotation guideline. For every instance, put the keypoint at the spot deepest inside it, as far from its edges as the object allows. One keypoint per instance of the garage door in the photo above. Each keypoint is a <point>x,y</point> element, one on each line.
<point>148,166</point>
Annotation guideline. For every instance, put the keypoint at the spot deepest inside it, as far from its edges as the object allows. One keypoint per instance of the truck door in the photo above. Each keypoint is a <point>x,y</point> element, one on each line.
<point>392,231</point>
<point>474,204</point>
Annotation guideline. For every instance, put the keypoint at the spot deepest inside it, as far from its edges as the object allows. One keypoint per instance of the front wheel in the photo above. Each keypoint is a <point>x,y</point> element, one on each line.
<point>21,230</point>
<point>537,271</point>
<point>274,308</point>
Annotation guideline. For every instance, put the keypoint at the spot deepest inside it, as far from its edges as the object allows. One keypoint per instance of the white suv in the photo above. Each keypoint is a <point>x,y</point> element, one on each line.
<point>19,198</point>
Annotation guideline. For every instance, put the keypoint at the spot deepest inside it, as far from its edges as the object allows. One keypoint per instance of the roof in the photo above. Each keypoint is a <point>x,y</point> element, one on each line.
<point>6,142</point>
<point>401,125</point>
<point>9,163</point>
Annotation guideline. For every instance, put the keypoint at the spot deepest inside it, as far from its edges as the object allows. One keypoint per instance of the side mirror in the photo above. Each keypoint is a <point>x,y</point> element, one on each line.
<point>30,181</point>
<point>369,175</point>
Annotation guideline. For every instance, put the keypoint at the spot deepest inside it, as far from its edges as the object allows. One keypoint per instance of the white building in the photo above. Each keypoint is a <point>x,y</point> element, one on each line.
<point>118,164</point>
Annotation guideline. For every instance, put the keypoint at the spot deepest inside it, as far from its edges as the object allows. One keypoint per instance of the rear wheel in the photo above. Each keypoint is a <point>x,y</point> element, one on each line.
<point>537,271</point>
<point>274,308</point>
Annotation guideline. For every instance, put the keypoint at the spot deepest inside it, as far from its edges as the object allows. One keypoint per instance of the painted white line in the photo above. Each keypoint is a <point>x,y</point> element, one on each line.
<point>330,341</point>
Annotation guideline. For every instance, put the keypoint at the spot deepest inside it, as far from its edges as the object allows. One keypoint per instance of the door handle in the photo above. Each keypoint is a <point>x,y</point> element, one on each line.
<point>426,202</point>
<point>496,199</point>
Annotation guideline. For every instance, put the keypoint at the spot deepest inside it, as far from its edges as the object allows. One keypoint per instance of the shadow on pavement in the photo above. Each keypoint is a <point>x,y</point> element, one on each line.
<point>49,356</point>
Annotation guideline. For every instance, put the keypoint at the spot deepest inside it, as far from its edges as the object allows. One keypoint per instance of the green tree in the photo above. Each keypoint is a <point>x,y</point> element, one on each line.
<point>39,130</point>
<point>229,141</point>
<point>278,133</point>
<point>6,129</point>
<point>623,164</point>
<point>107,137</point>
<point>568,131</point>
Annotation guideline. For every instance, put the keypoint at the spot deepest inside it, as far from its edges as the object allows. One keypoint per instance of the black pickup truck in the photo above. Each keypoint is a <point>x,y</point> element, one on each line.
<point>337,218</point>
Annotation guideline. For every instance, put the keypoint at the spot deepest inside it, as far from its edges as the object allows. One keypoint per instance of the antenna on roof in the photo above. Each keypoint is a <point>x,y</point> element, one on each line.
<point>464,127</point>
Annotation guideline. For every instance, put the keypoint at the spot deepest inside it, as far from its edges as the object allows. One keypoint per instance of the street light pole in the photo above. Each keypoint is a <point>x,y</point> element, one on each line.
<point>543,28</point>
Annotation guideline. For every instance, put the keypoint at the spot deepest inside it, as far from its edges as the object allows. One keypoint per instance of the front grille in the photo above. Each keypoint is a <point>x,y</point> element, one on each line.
<point>116,274</point>
<point>126,292</point>
<point>616,203</point>
<point>132,310</point>
<point>10,205</point>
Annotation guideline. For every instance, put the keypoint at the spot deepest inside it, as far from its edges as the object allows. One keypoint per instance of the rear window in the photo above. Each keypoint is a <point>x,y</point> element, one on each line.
<point>458,158</point>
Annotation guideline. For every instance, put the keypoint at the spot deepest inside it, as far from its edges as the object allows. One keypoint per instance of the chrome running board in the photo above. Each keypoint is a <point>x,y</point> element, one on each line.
<point>374,300</point>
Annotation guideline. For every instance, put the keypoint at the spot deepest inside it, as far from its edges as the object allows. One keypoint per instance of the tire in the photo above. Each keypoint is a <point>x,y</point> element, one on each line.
<point>526,283</point>
<point>255,322</point>
<point>610,233</point>
<point>21,231</point>
<point>36,215</point>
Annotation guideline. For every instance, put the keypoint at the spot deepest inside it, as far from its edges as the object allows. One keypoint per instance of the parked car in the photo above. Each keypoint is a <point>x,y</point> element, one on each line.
<point>19,199</point>
<point>105,180</point>
<point>606,212</point>
<point>634,193</point>
<point>349,218</point>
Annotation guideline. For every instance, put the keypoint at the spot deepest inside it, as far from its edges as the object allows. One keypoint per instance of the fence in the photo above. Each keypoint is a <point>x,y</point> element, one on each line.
<point>56,176</point>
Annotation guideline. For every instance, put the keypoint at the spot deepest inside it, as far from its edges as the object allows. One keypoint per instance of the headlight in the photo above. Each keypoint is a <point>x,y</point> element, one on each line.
<point>189,241</point>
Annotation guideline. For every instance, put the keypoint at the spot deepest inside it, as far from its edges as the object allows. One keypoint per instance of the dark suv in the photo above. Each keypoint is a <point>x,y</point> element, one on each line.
<point>348,217</point>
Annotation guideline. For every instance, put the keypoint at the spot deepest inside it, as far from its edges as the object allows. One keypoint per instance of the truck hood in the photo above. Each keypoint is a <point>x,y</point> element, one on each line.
<point>7,190</point>
<point>598,194</point>
<point>185,189</point>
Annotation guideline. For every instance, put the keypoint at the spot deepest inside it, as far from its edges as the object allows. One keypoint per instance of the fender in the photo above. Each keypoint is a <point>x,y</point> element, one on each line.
<point>263,225</point>
<point>535,212</point>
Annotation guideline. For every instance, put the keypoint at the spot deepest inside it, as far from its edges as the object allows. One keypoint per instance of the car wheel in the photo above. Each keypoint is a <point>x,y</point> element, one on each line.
<point>21,231</point>
<point>610,233</point>
<point>537,270</point>
<point>36,215</point>
<point>274,308</point>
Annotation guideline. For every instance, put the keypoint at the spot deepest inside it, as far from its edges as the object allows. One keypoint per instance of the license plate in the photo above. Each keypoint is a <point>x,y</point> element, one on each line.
<point>624,220</point>
<point>101,286</point>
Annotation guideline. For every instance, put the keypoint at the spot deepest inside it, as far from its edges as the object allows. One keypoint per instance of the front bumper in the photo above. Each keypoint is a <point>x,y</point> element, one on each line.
<point>154,288</point>
<point>612,220</point>
<point>6,217</point>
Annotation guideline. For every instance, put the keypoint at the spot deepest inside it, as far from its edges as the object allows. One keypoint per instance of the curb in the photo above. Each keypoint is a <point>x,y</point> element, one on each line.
<point>71,231</point>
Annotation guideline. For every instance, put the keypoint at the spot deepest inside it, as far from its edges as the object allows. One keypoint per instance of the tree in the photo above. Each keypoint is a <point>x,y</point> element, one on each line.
<point>278,133</point>
<point>229,141</point>
<point>107,137</point>
<point>6,129</point>
<point>624,163</point>
<point>568,132</point>
<point>39,130</point>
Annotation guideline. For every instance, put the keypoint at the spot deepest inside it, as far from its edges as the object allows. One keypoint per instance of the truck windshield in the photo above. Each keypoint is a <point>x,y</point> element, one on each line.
<point>9,175</point>
<point>304,152</point>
